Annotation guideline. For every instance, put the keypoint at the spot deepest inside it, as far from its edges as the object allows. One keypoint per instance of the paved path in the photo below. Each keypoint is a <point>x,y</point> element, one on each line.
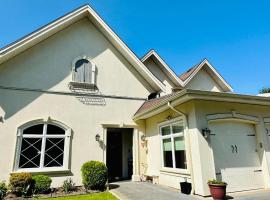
<point>256,195</point>
<point>127,190</point>
<point>147,191</point>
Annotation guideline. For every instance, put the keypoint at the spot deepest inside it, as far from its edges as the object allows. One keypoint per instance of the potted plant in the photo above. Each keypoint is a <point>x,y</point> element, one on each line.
<point>217,189</point>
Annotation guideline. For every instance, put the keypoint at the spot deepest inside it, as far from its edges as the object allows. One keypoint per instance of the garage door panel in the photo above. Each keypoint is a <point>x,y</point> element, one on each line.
<point>235,155</point>
<point>240,179</point>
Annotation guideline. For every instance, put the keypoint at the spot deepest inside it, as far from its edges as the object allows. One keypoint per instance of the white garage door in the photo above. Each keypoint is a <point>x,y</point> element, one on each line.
<point>235,155</point>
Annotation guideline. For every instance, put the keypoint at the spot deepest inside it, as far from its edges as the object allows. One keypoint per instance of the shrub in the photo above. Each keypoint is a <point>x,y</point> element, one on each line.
<point>42,184</point>
<point>3,190</point>
<point>68,185</point>
<point>94,175</point>
<point>20,183</point>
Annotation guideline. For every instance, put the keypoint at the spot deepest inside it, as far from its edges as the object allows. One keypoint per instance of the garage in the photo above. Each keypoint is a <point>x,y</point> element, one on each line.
<point>236,157</point>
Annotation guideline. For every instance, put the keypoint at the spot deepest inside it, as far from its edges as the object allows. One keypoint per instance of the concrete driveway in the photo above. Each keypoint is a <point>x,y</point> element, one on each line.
<point>146,191</point>
<point>128,190</point>
<point>255,195</point>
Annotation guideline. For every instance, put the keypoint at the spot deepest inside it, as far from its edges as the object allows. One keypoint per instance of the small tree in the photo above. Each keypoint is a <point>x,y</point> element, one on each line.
<point>265,90</point>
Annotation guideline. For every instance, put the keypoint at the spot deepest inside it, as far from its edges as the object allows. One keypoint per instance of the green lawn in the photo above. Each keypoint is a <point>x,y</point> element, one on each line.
<point>97,196</point>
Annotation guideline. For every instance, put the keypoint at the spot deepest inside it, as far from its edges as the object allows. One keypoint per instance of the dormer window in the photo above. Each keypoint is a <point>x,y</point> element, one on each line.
<point>83,71</point>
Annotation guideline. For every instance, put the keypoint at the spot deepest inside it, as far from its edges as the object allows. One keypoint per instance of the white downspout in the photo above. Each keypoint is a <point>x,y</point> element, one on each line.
<point>189,149</point>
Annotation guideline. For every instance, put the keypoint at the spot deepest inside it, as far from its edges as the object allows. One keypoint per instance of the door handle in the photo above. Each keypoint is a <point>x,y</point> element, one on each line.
<point>236,150</point>
<point>232,148</point>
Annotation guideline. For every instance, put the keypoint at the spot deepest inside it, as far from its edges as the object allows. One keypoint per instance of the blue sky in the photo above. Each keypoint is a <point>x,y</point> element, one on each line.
<point>233,34</point>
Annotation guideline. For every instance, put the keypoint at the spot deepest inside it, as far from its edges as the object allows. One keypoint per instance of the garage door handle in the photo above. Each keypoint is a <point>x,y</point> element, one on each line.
<point>236,150</point>
<point>232,148</point>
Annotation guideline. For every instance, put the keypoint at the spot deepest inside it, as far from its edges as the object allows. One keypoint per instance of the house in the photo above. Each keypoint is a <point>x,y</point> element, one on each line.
<point>73,91</point>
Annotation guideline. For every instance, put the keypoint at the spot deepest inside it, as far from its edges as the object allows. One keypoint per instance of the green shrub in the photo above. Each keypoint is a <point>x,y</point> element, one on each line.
<point>3,190</point>
<point>42,184</point>
<point>68,185</point>
<point>94,175</point>
<point>20,183</point>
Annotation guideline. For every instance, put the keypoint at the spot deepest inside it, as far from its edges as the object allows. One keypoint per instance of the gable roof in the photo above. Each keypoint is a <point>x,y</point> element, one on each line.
<point>152,54</point>
<point>205,64</point>
<point>59,24</point>
<point>187,76</point>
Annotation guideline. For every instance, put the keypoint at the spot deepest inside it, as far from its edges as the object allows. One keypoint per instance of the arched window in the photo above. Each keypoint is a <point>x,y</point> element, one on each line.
<point>43,146</point>
<point>84,71</point>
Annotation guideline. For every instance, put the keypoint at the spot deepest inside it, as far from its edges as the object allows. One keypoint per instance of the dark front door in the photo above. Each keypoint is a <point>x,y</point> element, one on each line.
<point>114,155</point>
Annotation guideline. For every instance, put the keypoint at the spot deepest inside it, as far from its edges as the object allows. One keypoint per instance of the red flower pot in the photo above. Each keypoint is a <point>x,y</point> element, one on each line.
<point>218,191</point>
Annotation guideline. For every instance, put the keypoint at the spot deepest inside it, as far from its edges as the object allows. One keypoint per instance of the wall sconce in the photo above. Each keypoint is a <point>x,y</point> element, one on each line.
<point>143,138</point>
<point>97,137</point>
<point>206,132</point>
<point>169,117</point>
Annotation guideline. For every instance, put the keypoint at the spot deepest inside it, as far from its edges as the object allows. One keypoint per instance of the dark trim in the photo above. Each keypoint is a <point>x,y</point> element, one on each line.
<point>71,93</point>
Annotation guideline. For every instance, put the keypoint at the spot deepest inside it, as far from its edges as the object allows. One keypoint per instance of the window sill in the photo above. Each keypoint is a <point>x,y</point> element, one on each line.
<point>176,172</point>
<point>44,171</point>
<point>74,85</point>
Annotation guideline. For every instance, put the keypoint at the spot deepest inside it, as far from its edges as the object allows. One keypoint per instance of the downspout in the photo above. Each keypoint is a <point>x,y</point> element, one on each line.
<point>189,149</point>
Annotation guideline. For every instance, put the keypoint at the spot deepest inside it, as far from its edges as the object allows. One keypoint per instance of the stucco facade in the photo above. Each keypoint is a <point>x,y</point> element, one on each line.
<point>165,113</point>
<point>47,66</point>
<point>199,150</point>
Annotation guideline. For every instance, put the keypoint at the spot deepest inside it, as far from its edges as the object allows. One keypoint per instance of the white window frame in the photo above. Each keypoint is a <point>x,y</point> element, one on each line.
<point>93,70</point>
<point>67,143</point>
<point>172,136</point>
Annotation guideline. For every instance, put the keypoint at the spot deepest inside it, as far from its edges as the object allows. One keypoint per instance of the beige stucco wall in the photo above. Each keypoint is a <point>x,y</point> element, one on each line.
<point>200,158</point>
<point>47,66</point>
<point>159,73</point>
<point>204,108</point>
<point>203,81</point>
<point>154,165</point>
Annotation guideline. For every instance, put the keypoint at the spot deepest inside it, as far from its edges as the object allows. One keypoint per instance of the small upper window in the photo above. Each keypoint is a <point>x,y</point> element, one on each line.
<point>84,71</point>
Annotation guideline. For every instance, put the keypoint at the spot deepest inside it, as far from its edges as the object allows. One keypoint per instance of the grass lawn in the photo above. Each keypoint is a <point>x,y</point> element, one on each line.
<point>96,196</point>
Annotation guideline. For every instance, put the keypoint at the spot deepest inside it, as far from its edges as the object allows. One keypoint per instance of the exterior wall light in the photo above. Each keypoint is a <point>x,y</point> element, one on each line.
<point>143,138</point>
<point>97,137</point>
<point>206,132</point>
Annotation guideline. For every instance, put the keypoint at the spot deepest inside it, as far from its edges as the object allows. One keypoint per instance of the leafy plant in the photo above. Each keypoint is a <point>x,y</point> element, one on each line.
<point>3,190</point>
<point>216,182</point>
<point>20,183</point>
<point>264,90</point>
<point>68,185</point>
<point>94,175</point>
<point>42,184</point>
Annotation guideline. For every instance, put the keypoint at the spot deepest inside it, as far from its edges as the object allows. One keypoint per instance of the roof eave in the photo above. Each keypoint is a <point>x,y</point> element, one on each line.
<point>171,74</point>
<point>187,95</point>
<point>221,81</point>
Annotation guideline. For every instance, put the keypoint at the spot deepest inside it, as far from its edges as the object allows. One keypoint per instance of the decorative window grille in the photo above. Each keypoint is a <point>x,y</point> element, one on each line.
<point>43,146</point>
